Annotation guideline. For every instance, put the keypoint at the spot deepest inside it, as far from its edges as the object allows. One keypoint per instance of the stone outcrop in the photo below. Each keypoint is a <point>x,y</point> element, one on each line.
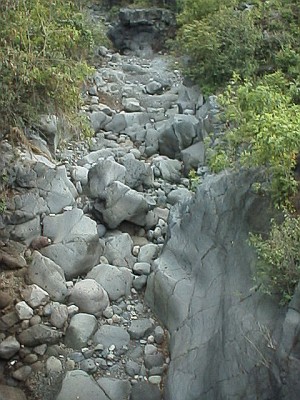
<point>142,30</point>
<point>225,335</point>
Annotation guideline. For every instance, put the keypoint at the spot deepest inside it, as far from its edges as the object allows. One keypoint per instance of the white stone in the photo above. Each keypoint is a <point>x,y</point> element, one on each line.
<point>23,310</point>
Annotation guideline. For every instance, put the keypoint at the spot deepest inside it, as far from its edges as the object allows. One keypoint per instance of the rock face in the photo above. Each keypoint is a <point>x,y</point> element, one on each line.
<point>141,30</point>
<point>225,342</point>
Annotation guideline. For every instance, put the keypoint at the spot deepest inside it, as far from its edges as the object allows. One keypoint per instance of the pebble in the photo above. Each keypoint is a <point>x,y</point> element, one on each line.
<point>5,300</point>
<point>22,373</point>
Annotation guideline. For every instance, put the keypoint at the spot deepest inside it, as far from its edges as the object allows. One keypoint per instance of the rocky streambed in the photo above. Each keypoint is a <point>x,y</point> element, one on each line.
<point>117,281</point>
<point>81,233</point>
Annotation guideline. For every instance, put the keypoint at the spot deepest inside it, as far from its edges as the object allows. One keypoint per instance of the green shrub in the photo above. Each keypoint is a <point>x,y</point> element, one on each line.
<point>218,45</point>
<point>43,48</point>
<point>264,132</point>
<point>278,267</point>
<point>220,37</point>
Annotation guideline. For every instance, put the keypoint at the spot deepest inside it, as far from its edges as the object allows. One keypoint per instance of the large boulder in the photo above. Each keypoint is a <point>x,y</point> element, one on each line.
<point>81,328</point>
<point>116,281</point>
<point>102,175</point>
<point>78,384</point>
<point>223,332</point>
<point>76,247</point>
<point>48,275</point>
<point>178,133</point>
<point>89,296</point>
<point>124,204</point>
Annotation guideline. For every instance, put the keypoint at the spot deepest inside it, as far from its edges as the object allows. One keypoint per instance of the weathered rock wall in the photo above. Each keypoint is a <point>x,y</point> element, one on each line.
<point>225,335</point>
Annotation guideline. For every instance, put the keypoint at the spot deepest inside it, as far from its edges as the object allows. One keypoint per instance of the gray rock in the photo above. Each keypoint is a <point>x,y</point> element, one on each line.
<point>131,105</point>
<point>154,87</point>
<point>140,328</point>
<point>159,335</point>
<point>132,368</point>
<point>189,98</point>
<point>89,296</point>
<point>179,195</point>
<point>73,384</point>
<point>55,187</point>
<point>118,250</point>
<point>98,120</point>
<point>137,172</point>
<point>76,247</point>
<point>141,268</point>
<point>95,156</point>
<point>177,134</point>
<point>22,373</point>
<point>151,142</point>
<point>39,334</point>
<point>197,276</point>
<point>48,275</point>
<point>35,295</point>
<point>59,315</point>
<point>116,281</point>
<point>80,330</point>
<point>111,335</point>
<point>27,231</point>
<point>148,253</point>
<point>139,282</point>
<point>117,124</point>
<point>145,391</point>
<point>23,310</point>
<point>53,366</point>
<point>8,320</point>
<point>154,360</point>
<point>11,393</point>
<point>115,389</point>
<point>80,174</point>
<point>88,366</point>
<point>9,347</point>
<point>102,175</point>
<point>49,124</point>
<point>193,156</point>
<point>170,170</point>
<point>124,204</point>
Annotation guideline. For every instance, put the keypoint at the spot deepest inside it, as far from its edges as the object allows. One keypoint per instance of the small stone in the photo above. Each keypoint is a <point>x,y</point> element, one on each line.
<point>22,373</point>
<point>40,242</point>
<point>35,296</point>
<point>23,310</point>
<point>30,359</point>
<point>150,339</point>
<point>53,365</point>
<point>155,379</point>
<point>135,250</point>
<point>88,366</point>
<point>35,320</point>
<point>5,300</point>
<point>132,368</point>
<point>9,347</point>
<point>40,350</point>
<point>159,335</point>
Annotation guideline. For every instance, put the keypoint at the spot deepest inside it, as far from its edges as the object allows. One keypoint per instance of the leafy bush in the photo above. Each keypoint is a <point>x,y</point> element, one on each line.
<point>218,45</point>
<point>264,131</point>
<point>222,37</point>
<point>43,47</point>
<point>278,267</point>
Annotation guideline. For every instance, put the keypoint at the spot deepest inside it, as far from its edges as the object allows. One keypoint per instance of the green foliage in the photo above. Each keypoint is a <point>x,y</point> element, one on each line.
<point>194,180</point>
<point>218,45</point>
<point>43,47</point>
<point>264,131</point>
<point>278,268</point>
<point>192,10</point>
<point>220,37</point>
